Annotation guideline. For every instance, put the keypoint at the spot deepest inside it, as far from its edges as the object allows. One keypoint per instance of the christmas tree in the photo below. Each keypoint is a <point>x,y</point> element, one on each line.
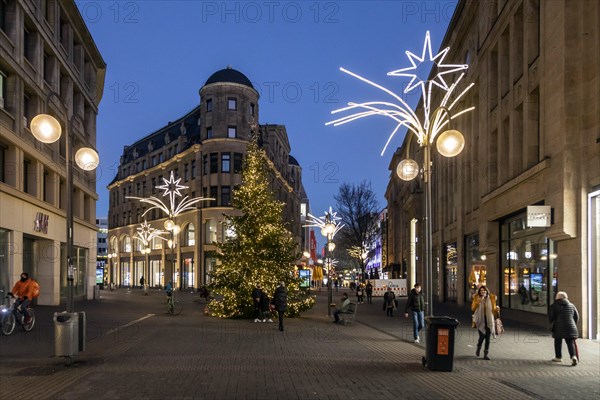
<point>260,250</point>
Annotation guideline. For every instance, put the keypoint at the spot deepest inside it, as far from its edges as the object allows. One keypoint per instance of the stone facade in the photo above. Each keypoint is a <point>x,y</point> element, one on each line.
<point>45,47</point>
<point>532,140</point>
<point>205,149</point>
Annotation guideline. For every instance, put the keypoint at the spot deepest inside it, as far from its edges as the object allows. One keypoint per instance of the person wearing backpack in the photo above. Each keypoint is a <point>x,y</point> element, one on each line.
<point>25,289</point>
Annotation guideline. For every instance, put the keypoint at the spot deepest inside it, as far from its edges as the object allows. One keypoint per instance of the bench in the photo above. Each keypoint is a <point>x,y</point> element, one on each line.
<point>348,315</point>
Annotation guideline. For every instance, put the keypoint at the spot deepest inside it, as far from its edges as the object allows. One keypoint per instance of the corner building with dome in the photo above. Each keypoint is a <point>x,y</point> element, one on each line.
<point>204,149</point>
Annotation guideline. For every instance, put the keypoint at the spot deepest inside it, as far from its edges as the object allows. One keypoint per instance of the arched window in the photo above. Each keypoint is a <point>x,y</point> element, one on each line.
<point>126,244</point>
<point>190,235</point>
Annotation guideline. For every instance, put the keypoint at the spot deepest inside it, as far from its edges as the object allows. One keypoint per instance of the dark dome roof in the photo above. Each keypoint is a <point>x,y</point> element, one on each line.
<point>229,75</point>
<point>292,161</point>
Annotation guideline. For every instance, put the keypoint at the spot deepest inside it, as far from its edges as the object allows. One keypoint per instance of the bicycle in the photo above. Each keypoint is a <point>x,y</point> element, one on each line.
<point>174,307</point>
<point>8,320</point>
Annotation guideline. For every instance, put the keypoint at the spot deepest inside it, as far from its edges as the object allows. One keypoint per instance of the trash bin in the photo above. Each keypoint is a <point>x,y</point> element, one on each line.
<point>66,334</point>
<point>97,292</point>
<point>439,351</point>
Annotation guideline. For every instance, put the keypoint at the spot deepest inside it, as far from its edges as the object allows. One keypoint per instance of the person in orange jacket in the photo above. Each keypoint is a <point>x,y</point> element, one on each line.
<point>484,310</point>
<point>23,290</point>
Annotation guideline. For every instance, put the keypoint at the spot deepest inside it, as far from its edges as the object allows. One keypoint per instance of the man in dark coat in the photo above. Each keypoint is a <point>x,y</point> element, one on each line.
<point>416,305</point>
<point>280,302</point>
<point>563,318</point>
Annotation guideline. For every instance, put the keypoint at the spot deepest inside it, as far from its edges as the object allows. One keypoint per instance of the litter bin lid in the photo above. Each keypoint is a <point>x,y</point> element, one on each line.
<point>441,320</point>
<point>63,317</point>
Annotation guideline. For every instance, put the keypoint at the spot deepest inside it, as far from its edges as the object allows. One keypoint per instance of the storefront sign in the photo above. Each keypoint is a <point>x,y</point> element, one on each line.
<point>539,216</point>
<point>41,222</point>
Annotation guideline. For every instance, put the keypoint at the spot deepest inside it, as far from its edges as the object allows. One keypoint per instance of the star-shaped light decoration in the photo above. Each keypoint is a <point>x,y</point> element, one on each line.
<point>172,188</point>
<point>400,111</point>
<point>330,217</point>
<point>145,233</point>
<point>438,79</point>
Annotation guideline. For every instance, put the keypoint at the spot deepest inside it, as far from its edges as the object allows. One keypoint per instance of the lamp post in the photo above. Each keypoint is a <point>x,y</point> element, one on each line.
<point>329,224</point>
<point>145,234</point>
<point>172,188</point>
<point>47,129</point>
<point>449,143</point>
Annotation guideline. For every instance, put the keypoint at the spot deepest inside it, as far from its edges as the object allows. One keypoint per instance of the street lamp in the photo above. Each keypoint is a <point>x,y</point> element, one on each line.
<point>433,129</point>
<point>145,234</point>
<point>47,129</point>
<point>449,144</point>
<point>330,225</point>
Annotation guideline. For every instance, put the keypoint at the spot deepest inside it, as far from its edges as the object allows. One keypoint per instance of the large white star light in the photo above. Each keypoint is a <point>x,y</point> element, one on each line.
<point>172,188</point>
<point>399,111</point>
<point>438,78</point>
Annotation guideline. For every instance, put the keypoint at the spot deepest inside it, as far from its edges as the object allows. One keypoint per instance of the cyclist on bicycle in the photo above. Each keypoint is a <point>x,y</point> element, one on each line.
<point>23,290</point>
<point>169,289</point>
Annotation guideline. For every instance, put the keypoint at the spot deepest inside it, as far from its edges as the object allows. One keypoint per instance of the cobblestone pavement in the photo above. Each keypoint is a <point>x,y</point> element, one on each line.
<point>135,350</point>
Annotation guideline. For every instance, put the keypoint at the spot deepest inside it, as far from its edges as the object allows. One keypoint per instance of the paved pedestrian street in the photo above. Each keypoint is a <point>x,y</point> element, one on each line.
<point>135,350</point>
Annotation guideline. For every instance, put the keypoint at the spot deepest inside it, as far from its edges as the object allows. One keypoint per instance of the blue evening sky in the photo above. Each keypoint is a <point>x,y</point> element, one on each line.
<point>160,53</point>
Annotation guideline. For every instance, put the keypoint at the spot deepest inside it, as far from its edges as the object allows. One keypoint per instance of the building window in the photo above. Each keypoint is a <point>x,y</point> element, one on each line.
<point>213,194</point>
<point>209,105</point>
<point>3,12</point>
<point>2,85</point>
<point>204,164</point>
<point>193,167</point>
<point>28,47</point>
<point>237,162</point>
<point>252,109</point>
<point>211,231</point>
<point>154,160</point>
<point>231,132</point>
<point>225,162</point>
<point>209,133</point>
<point>190,235</point>
<point>186,172</point>
<point>225,196</point>
<point>214,163</point>
<point>231,104</point>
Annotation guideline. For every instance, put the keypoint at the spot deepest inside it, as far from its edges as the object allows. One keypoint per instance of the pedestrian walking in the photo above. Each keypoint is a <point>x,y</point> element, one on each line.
<point>415,304</point>
<point>256,292</point>
<point>484,310</point>
<point>389,302</point>
<point>360,293</point>
<point>369,292</point>
<point>280,302</point>
<point>563,318</point>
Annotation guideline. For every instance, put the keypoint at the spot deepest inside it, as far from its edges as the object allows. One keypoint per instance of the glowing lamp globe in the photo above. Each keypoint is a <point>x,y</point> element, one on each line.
<point>323,231</point>
<point>169,224</point>
<point>87,159</point>
<point>330,246</point>
<point>176,229</point>
<point>329,227</point>
<point>450,143</point>
<point>407,170</point>
<point>45,128</point>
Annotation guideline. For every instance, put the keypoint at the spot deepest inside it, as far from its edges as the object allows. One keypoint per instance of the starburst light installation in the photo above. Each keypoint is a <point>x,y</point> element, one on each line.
<point>400,112</point>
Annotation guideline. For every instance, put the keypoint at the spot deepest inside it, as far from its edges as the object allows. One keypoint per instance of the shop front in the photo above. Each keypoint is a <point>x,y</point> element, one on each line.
<point>528,266</point>
<point>451,269</point>
<point>475,268</point>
